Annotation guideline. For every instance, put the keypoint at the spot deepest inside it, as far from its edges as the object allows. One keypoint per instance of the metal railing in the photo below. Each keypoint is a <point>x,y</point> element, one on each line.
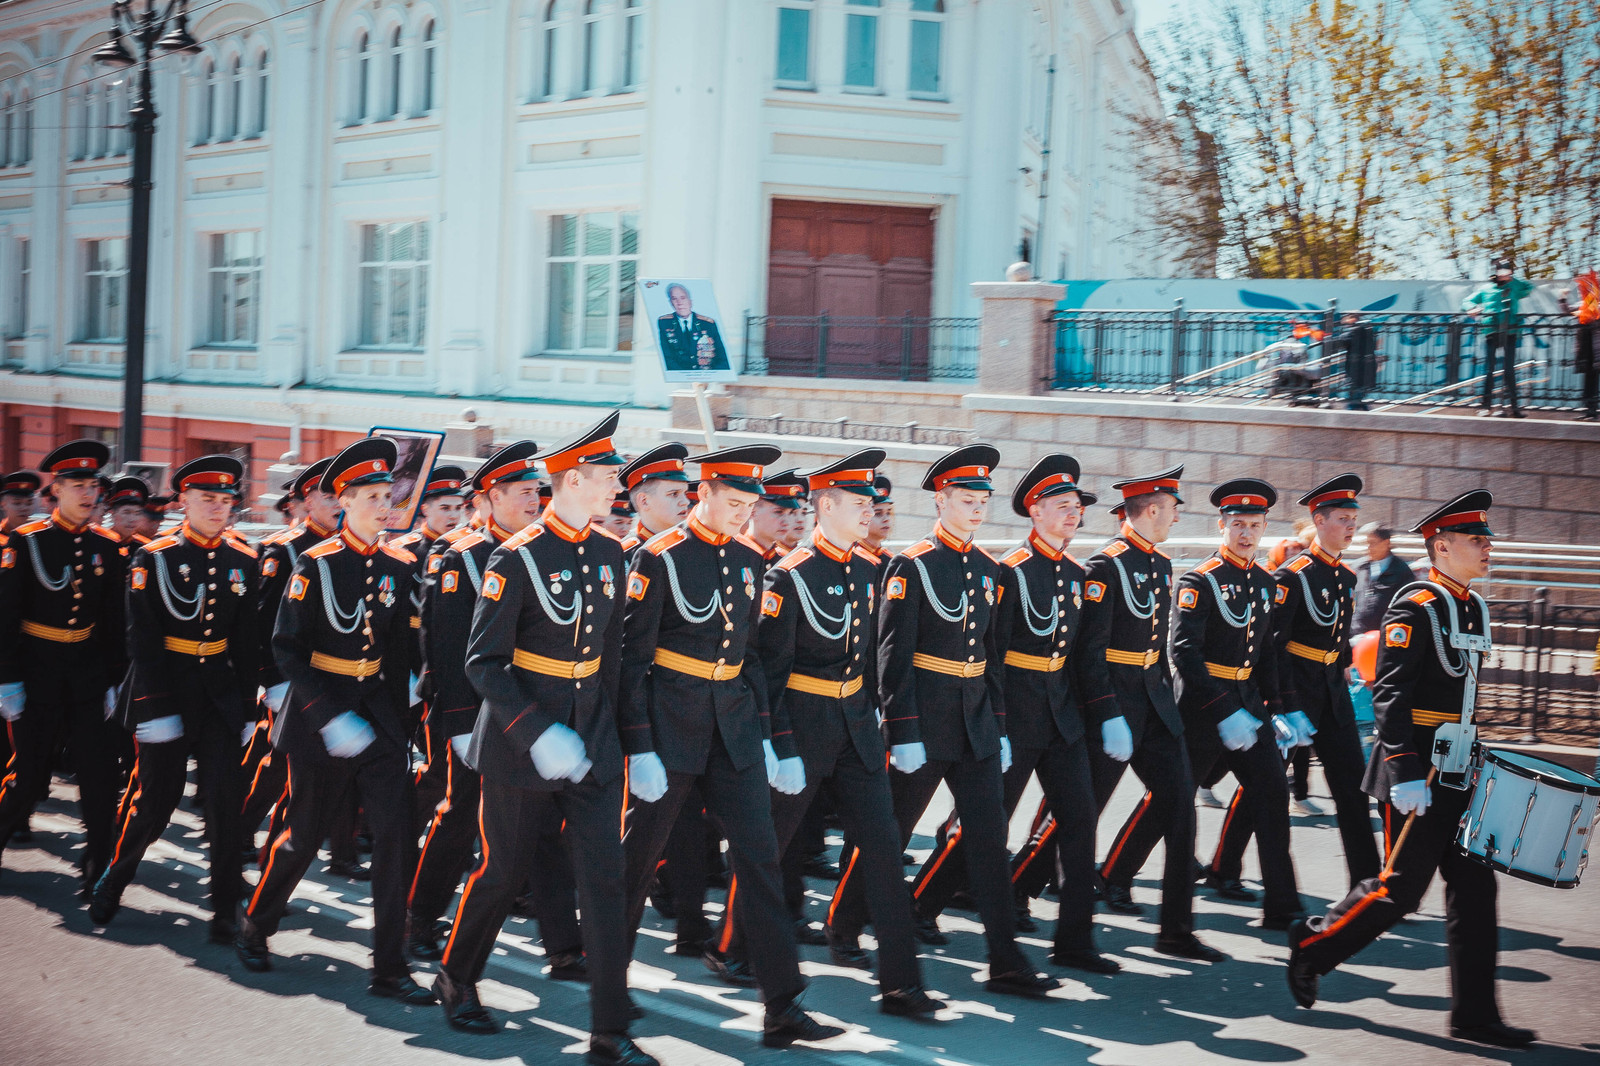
<point>1435,360</point>
<point>847,429</point>
<point>908,348</point>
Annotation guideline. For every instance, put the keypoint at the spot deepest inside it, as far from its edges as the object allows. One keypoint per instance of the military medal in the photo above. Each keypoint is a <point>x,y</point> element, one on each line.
<point>609,587</point>
<point>749,582</point>
<point>386,590</point>
<point>237,578</point>
<point>988,589</point>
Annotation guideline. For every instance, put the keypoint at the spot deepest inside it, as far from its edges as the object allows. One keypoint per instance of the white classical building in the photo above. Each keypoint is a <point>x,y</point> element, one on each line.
<point>364,205</point>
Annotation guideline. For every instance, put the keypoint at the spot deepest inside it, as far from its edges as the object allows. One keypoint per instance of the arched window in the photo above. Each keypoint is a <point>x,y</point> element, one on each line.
<point>633,45</point>
<point>116,98</point>
<point>210,132</point>
<point>263,92</point>
<point>78,120</point>
<point>95,117</point>
<point>234,108</point>
<point>557,15</point>
<point>594,13</point>
<point>925,74</point>
<point>6,122</point>
<point>430,67</point>
<point>204,102</point>
<point>391,103</point>
<point>26,155</point>
<point>363,78</point>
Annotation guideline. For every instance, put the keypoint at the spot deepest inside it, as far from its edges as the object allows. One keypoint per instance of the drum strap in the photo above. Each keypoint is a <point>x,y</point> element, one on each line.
<point>1453,741</point>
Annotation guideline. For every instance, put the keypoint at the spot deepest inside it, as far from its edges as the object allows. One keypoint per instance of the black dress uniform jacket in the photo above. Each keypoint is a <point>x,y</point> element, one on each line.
<point>1126,610</point>
<point>1312,656</point>
<point>313,620</point>
<point>716,579</point>
<point>192,641</point>
<point>557,591</point>
<point>420,544</point>
<point>1205,644</point>
<point>1036,622</point>
<point>454,583</point>
<point>278,554</point>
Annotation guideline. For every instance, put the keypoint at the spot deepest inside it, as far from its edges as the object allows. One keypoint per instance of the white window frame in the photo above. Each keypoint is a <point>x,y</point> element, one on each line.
<point>428,69</point>
<point>809,8</point>
<point>99,286</point>
<point>620,277</point>
<point>557,19</point>
<point>632,47</point>
<point>223,283</point>
<point>20,270</point>
<point>373,334</point>
<point>937,18</point>
<point>394,76</point>
<point>262,69</point>
<point>865,9</point>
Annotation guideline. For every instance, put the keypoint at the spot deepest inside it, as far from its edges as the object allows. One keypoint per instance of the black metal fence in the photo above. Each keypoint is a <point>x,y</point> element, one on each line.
<point>847,429</point>
<point>1540,681</point>
<point>1432,359</point>
<point>908,348</point>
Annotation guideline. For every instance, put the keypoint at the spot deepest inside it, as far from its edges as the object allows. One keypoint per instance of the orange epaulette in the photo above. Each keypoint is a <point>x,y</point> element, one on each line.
<point>919,548</point>
<point>239,544</point>
<point>1421,596</point>
<point>1019,555</point>
<point>865,554</point>
<point>399,553</point>
<point>605,533</point>
<point>748,543</point>
<point>1298,563</point>
<point>461,544</point>
<point>327,547</point>
<point>630,543</point>
<point>33,527</point>
<point>1115,548</point>
<point>986,554</point>
<point>407,539</point>
<point>522,536</point>
<point>107,533</point>
<point>1208,566</point>
<point>665,539</point>
<point>162,543</point>
<point>794,558</point>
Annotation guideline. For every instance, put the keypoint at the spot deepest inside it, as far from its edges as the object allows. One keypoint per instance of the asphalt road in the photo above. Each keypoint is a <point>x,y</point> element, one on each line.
<point>151,989</point>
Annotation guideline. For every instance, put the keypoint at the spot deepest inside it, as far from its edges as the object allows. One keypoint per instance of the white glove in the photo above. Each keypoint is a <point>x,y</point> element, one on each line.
<point>111,703</point>
<point>791,776</point>
<point>1286,735</point>
<point>772,760</point>
<point>1409,796</point>
<point>459,743</point>
<point>647,778</point>
<point>12,700</point>
<point>908,758</point>
<point>415,682</point>
<point>159,730</point>
<point>1116,739</point>
<point>249,731</point>
<point>1238,730</point>
<point>347,735</point>
<point>1005,754</point>
<point>275,695</point>
<point>1303,728</point>
<point>558,754</point>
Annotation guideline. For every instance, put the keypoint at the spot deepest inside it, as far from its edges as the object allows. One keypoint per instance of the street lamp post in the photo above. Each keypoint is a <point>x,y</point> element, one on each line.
<point>152,33</point>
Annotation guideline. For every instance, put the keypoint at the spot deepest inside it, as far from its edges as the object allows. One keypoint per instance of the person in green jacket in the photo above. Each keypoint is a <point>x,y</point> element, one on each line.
<point>1495,305</point>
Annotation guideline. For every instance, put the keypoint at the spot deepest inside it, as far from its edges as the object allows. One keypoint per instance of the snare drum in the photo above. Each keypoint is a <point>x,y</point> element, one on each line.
<point>1530,818</point>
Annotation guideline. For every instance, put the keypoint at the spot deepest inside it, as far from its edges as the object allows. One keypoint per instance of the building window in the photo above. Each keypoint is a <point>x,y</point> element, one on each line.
<point>557,15</point>
<point>593,261</point>
<point>16,128</point>
<point>16,308</point>
<point>363,79</point>
<point>263,94</point>
<point>394,285</point>
<point>391,108</point>
<point>861,47</point>
<point>235,288</point>
<point>794,45</point>
<point>215,105</point>
<point>594,12</point>
<point>927,42</point>
<point>95,116</point>
<point>633,45</point>
<point>430,66</point>
<point>105,275</point>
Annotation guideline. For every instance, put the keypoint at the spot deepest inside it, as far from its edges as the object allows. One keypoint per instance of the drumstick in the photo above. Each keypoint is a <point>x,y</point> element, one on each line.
<point>1399,841</point>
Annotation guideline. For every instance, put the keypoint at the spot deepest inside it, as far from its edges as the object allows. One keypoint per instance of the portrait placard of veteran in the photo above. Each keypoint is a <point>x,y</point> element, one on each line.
<point>688,331</point>
<point>417,449</point>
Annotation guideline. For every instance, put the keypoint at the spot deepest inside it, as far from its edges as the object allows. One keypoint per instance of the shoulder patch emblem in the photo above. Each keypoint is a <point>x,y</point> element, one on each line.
<point>793,559</point>
<point>1280,595</point>
<point>895,589</point>
<point>664,540</point>
<point>1188,598</point>
<point>297,587</point>
<point>449,582</point>
<point>137,577</point>
<point>1017,556</point>
<point>434,563</point>
<point>637,583</point>
<point>8,558</point>
<point>269,566</point>
<point>1397,636</point>
<point>918,548</point>
<point>493,586</point>
<point>1421,596</point>
<point>1116,548</point>
<point>771,604</point>
<point>1095,591</point>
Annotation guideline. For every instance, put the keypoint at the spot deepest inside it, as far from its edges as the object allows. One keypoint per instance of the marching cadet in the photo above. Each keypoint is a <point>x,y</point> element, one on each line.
<point>776,513</point>
<point>1036,626</point>
<point>689,717</point>
<point>1422,685</point>
<point>62,653</point>
<point>820,671</point>
<point>153,514</point>
<point>658,488</point>
<point>1127,691</point>
<point>509,479</point>
<point>342,640</point>
<point>125,510</point>
<point>545,652</point>
<point>619,520</point>
<point>17,492</point>
<point>191,607</point>
<point>940,683</point>
<point>1311,635</point>
<point>1223,662</point>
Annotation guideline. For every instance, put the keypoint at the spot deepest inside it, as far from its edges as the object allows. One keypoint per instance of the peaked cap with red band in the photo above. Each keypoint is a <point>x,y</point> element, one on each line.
<point>79,458</point>
<point>128,491</point>
<point>20,483</point>
<point>514,462</point>
<point>856,473</point>
<point>1467,513</point>
<point>214,473</point>
<point>1054,475</point>
<point>444,481</point>
<point>1244,495</point>
<point>369,461</point>
<point>663,463</point>
<point>310,478</point>
<point>968,467</point>
<point>1338,491</point>
<point>741,468</point>
<point>592,447</point>
<point>786,489</point>
<point>1167,481</point>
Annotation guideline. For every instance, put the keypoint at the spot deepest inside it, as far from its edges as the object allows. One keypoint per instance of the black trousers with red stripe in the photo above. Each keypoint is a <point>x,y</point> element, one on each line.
<point>1264,804</point>
<point>681,872</point>
<point>980,803</point>
<point>160,772</point>
<point>512,820</point>
<point>268,784</point>
<point>1161,761</point>
<point>1471,926</point>
<point>1032,870</point>
<point>1064,774</point>
<point>432,779</point>
<point>95,746</point>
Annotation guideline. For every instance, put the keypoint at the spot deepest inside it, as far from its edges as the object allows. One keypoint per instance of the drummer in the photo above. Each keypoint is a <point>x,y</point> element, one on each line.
<point>1422,685</point>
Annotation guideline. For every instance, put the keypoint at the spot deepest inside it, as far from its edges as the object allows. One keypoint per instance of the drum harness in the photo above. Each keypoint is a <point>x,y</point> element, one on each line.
<point>1453,742</point>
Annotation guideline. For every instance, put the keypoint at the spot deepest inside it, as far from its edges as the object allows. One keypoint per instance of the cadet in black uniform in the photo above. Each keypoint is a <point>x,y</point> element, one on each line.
<point>440,512</point>
<point>1036,626</point>
<point>1421,685</point>
<point>190,687</point>
<point>545,652</point>
<point>940,684</point>
<point>17,492</point>
<point>1311,633</point>
<point>1223,662</point>
<point>1127,690</point>
<point>62,652</point>
<point>694,710</point>
<point>343,639</point>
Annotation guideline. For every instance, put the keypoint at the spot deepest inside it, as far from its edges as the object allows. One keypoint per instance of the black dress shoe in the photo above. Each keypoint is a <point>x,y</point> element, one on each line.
<point>103,905</point>
<point>1302,981</point>
<point>251,947</point>
<point>423,944</point>
<point>569,966</point>
<point>223,930</point>
<point>735,972</point>
<point>405,989</point>
<point>1495,1034</point>
<point>1022,983</point>
<point>1188,947</point>
<point>927,931</point>
<point>1117,898</point>
<point>1025,922</point>
<point>1086,959</point>
<point>615,1049</point>
<point>806,933</point>
<point>664,907</point>
<point>461,1007</point>
<point>847,952</point>
<point>780,1028</point>
<point>1230,888</point>
<point>910,1002</point>
<point>819,866</point>
<point>523,907</point>
<point>353,870</point>
<point>1281,922</point>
